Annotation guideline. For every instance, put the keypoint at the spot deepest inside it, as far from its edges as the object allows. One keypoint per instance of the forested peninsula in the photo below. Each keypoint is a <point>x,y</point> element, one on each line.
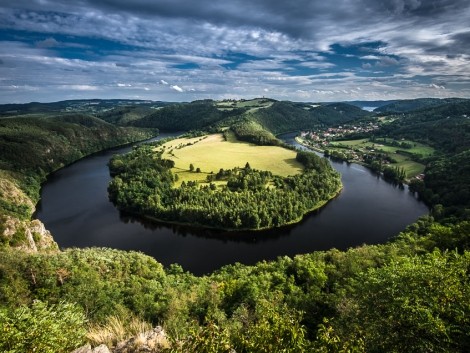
<point>242,198</point>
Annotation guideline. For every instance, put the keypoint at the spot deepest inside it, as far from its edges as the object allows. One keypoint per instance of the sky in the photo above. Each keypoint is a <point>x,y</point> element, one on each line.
<point>184,50</point>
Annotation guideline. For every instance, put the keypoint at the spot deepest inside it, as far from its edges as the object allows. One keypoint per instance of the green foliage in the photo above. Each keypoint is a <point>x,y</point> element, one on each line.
<point>101,280</point>
<point>272,328</point>
<point>407,105</point>
<point>403,296</point>
<point>251,131</point>
<point>186,116</point>
<point>125,115</point>
<point>413,304</point>
<point>394,174</point>
<point>42,328</point>
<point>445,127</point>
<point>282,117</point>
<point>143,184</point>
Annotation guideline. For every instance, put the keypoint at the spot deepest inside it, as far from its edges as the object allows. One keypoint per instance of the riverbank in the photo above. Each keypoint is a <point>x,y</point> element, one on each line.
<point>32,151</point>
<point>320,205</point>
<point>305,144</point>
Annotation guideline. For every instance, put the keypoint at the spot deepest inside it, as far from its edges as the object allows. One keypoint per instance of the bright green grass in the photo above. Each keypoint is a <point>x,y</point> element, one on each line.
<point>417,148</point>
<point>211,153</point>
<point>412,168</point>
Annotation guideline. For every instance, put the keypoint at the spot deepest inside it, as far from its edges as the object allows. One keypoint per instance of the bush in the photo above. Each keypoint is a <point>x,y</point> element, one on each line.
<point>42,328</point>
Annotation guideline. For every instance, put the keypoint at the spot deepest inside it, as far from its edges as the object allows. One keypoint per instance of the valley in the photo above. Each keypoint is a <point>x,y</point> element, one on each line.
<point>286,278</point>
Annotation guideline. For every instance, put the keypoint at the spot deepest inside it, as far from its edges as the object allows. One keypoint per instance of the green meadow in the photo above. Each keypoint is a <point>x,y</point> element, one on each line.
<point>403,160</point>
<point>417,148</point>
<point>210,153</point>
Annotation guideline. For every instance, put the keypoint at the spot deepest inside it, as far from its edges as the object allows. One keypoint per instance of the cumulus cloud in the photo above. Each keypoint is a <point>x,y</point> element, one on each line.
<point>177,88</point>
<point>297,50</point>
<point>433,85</point>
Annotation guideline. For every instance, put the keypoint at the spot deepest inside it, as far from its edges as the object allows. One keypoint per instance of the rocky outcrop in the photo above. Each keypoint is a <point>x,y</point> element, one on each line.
<point>30,236</point>
<point>87,349</point>
<point>153,341</point>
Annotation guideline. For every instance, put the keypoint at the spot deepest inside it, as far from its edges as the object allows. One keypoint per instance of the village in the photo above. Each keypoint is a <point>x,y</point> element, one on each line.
<point>321,138</point>
<point>357,143</point>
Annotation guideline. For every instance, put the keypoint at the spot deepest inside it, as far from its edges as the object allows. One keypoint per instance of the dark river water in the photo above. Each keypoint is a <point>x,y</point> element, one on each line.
<point>75,208</point>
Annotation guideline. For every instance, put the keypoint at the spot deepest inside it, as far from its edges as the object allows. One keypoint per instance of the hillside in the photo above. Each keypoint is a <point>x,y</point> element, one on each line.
<point>90,106</point>
<point>197,115</point>
<point>446,126</point>
<point>274,116</point>
<point>403,106</point>
<point>31,148</point>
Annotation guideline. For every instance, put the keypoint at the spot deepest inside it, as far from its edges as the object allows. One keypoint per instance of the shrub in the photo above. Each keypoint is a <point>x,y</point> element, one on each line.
<point>42,328</point>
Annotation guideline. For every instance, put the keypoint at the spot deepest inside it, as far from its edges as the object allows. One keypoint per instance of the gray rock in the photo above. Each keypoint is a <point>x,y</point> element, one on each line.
<point>101,349</point>
<point>85,349</point>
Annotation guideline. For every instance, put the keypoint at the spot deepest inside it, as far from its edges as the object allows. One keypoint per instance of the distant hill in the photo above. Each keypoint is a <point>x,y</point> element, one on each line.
<point>407,105</point>
<point>186,116</point>
<point>81,105</point>
<point>445,126</point>
<point>275,116</point>
<point>370,105</point>
<point>284,116</point>
<point>124,115</point>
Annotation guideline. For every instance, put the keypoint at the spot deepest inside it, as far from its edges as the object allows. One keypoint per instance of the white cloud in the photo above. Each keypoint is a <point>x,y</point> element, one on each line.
<point>433,85</point>
<point>238,49</point>
<point>370,57</point>
<point>177,88</point>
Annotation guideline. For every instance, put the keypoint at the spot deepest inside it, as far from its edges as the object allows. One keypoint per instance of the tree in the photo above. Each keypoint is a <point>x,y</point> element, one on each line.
<point>413,304</point>
<point>191,167</point>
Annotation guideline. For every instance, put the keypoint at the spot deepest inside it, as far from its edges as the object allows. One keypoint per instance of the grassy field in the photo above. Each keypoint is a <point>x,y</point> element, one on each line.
<point>211,153</point>
<point>412,168</point>
<point>417,148</point>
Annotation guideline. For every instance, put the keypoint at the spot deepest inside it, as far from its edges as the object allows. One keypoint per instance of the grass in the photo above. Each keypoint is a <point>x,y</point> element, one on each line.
<point>210,153</point>
<point>115,330</point>
<point>417,148</point>
<point>412,168</point>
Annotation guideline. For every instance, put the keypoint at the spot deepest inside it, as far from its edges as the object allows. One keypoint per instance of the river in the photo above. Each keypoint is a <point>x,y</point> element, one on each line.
<point>75,208</point>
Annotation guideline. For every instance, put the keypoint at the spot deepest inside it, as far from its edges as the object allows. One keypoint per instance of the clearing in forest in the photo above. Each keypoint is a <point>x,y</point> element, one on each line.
<point>210,153</point>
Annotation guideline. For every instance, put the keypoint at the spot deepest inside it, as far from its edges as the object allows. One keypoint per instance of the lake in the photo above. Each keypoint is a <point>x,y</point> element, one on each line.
<point>74,206</point>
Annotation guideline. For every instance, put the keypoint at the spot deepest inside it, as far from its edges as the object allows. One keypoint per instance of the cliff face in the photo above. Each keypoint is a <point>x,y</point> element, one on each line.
<point>30,236</point>
<point>17,230</point>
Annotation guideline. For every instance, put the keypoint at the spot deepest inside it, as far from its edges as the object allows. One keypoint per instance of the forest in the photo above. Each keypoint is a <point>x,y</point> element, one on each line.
<point>407,295</point>
<point>31,148</point>
<point>252,199</point>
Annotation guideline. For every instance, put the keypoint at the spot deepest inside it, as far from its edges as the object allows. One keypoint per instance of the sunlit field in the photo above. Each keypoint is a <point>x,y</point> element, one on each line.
<point>210,153</point>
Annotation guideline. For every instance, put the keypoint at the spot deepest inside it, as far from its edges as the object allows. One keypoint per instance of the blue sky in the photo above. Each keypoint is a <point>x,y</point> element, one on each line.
<point>183,50</point>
